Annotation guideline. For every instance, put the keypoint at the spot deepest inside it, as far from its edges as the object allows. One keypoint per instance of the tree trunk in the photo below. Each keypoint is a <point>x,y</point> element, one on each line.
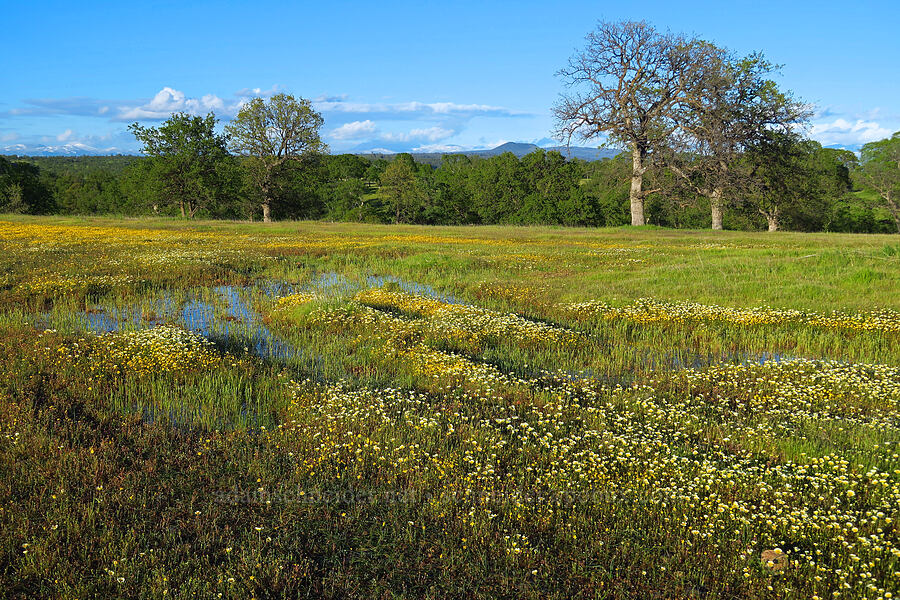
<point>181,204</point>
<point>266,185</point>
<point>715,201</point>
<point>637,179</point>
<point>893,208</point>
<point>771,217</point>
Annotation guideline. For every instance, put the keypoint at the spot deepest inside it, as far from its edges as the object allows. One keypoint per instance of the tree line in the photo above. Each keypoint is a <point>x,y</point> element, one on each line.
<point>819,189</point>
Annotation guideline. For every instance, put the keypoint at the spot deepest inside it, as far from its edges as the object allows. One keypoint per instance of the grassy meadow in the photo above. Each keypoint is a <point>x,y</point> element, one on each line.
<point>238,410</point>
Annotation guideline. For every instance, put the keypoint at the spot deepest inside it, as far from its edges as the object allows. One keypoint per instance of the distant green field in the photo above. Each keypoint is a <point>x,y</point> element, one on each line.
<point>222,409</point>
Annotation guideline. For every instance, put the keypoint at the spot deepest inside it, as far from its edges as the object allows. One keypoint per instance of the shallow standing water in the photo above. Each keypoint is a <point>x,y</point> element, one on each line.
<point>225,315</point>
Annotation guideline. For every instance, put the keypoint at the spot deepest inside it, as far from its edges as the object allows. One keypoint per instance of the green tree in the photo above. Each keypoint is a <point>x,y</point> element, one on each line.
<point>552,194</point>
<point>735,106</point>
<point>777,174</point>
<point>820,179</point>
<point>832,181</point>
<point>22,190</point>
<point>185,153</point>
<point>302,189</point>
<point>12,199</point>
<point>90,193</point>
<point>346,200</point>
<point>605,183</point>
<point>497,188</point>
<point>452,202</point>
<point>344,191</point>
<point>880,170</point>
<point>141,188</point>
<point>345,166</point>
<point>271,135</point>
<point>401,190</point>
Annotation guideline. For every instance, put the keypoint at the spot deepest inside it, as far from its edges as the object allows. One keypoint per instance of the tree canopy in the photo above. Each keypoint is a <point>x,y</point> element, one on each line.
<point>271,133</point>
<point>736,107</point>
<point>880,169</point>
<point>189,158</point>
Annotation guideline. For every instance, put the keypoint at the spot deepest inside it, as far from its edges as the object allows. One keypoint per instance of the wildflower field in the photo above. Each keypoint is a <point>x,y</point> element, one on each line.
<point>231,410</point>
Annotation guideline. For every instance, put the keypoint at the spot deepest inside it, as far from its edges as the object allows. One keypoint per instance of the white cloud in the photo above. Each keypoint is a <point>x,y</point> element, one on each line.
<point>429,134</point>
<point>367,133</point>
<point>354,130</point>
<point>413,110</point>
<point>76,106</point>
<point>252,92</point>
<point>166,99</point>
<point>169,100</point>
<point>448,148</point>
<point>412,125</point>
<point>67,148</point>
<point>332,98</point>
<point>161,106</point>
<point>484,144</point>
<point>846,133</point>
<point>212,102</point>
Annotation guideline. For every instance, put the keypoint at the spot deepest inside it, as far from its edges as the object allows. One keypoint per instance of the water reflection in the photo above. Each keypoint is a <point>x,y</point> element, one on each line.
<point>239,327</point>
<point>413,287</point>
<point>222,314</point>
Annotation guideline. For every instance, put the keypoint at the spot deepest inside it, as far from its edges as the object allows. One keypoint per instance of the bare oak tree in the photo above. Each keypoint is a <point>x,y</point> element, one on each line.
<point>627,83</point>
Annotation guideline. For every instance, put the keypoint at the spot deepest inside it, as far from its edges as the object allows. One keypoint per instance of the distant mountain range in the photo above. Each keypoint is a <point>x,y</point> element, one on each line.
<point>520,149</point>
<point>72,149</point>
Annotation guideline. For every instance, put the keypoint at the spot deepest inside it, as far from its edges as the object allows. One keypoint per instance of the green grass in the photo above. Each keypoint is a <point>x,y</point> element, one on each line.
<point>368,439</point>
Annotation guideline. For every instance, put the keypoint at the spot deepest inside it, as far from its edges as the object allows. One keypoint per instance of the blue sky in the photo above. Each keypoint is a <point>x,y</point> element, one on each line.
<point>401,75</point>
